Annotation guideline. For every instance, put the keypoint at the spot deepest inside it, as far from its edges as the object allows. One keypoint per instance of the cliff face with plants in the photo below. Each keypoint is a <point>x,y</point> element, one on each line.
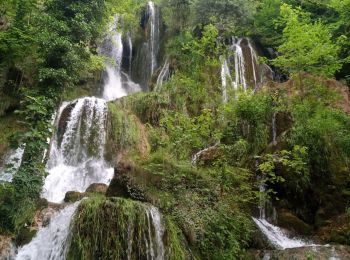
<point>174,129</point>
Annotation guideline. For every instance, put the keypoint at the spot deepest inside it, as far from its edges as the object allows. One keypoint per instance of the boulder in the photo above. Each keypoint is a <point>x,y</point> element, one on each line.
<point>73,196</point>
<point>97,188</point>
<point>288,220</point>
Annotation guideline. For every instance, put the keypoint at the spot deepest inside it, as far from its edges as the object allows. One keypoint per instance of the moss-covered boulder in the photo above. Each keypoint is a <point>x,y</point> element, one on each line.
<point>125,134</point>
<point>73,196</point>
<point>288,220</point>
<point>116,228</point>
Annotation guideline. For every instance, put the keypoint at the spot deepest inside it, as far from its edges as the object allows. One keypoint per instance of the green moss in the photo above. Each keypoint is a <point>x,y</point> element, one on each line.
<point>115,228</point>
<point>147,106</point>
<point>8,127</point>
<point>125,132</point>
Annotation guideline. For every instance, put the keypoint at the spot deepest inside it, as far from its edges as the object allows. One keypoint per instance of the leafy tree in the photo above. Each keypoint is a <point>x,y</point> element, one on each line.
<point>228,15</point>
<point>307,46</point>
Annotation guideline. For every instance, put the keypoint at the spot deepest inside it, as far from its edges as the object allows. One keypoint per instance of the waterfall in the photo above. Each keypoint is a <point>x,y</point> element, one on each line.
<point>198,154</point>
<point>113,49</point>
<point>240,77</point>
<point>130,52</point>
<point>77,156</point>
<point>275,235</point>
<point>153,239</point>
<point>12,162</point>
<point>225,78</point>
<point>248,71</point>
<point>163,76</point>
<point>50,243</point>
<point>153,41</point>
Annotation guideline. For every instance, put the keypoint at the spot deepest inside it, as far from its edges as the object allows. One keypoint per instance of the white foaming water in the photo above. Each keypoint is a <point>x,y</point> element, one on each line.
<point>130,52</point>
<point>113,49</point>
<point>50,243</point>
<point>154,35</point>
<point>154,243</point>
<point>163,76</point>
<point>274,234</point>
<point>240,78</point>
<point>77,157</point>
<point>248,71</point>
<point>12,162</point>
<point>225,78</point>
<point>277,237</point>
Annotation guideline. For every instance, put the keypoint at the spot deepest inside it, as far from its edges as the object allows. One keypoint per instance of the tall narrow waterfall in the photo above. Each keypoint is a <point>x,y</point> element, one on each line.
<point>130,52</point>
<point>225,78</point>
<point>163,75</point>
<point>153,42</point>
<point>112,48</point>
<point>50,243</point>
<point>11,163</point>
<point>77,151</point>
<point>146,60</point>
<point>240,69</point>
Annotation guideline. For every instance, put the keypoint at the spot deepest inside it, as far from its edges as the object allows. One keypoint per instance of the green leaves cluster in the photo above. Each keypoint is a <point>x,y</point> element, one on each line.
<point>307,46</point>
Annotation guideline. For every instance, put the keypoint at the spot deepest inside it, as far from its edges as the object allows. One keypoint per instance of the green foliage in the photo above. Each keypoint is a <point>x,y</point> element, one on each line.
<point>226,235</point>
<point>106,228</point>
<point>36,113</point>
<point>290,167</point>
<point>228,16</point>
<point>307,46</point>
<point>248,118</point>
<point>188,134</point>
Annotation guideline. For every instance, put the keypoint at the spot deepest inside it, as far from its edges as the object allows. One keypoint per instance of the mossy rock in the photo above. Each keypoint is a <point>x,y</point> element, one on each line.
<point>24,236</point>
<point>125,132</point>
<point>288,220</point>
<point>73,196</point>
<point>116,228</point>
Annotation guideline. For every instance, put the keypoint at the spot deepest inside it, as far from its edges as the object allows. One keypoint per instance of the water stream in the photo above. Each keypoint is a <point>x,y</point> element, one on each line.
<point>11,163</point>
<point>50,243</point>
<point>163,76</point>
<point>77,151</point>
<point>77,155</point>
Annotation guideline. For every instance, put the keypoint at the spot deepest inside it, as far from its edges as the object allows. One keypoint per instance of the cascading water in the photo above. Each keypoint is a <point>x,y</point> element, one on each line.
<point>50,243</point>
<point>153,42</point>
<point>275,235</point>
<point>249,73</point>
<point>130,52</point>
<point>225,78</point>
<point>78,147</point>
<point>113,49</point>
<point>240,69</point>
<point>12,162</point>
<point>77,157</point>
<point>146,60</point>
<point>153,240</point>
<point>163,76</point>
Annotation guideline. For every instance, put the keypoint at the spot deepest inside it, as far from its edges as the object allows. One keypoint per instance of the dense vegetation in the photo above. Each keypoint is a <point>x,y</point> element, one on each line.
<point>48,52</point>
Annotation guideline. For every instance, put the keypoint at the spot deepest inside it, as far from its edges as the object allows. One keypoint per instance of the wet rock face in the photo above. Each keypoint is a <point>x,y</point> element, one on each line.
<point>288,220</point>
<point>97,188</point>
<point>73,196</point>
<point>63,121</point>
<point>123,184</point>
